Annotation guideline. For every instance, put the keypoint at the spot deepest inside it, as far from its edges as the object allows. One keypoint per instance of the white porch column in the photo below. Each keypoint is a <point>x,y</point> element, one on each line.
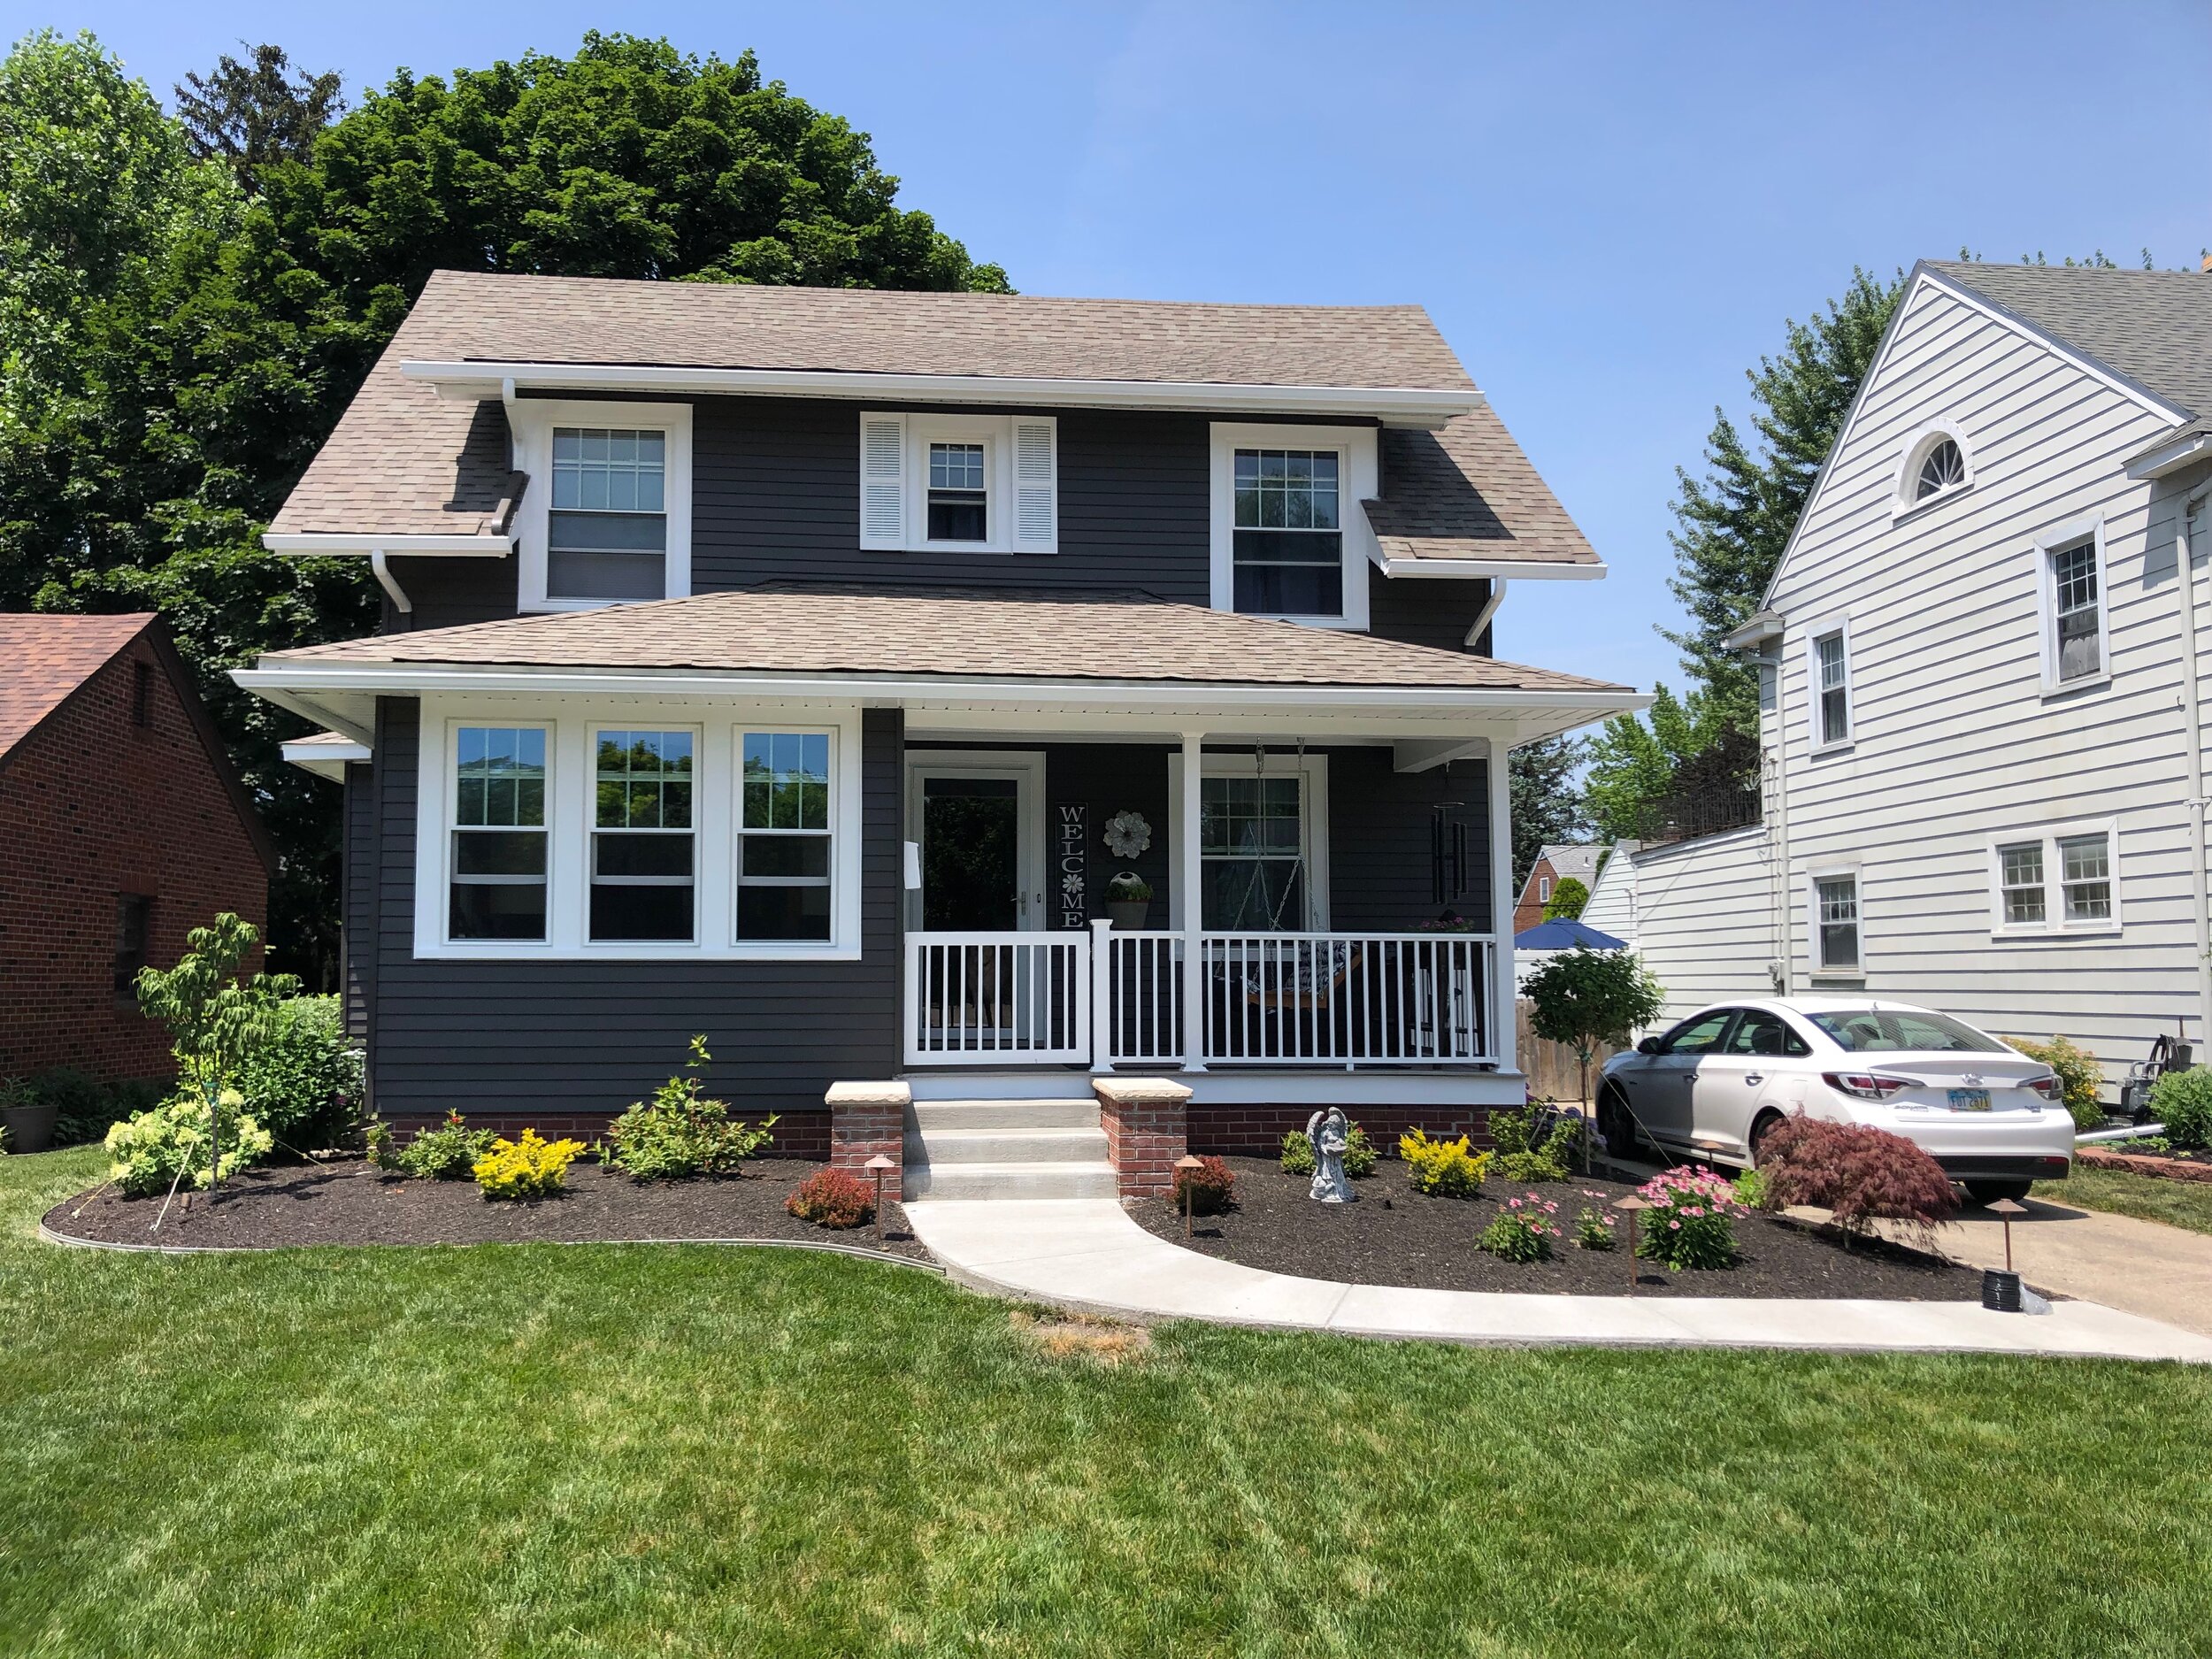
<point>1101,995</point>
<point>1501,897</point>
<point>1187,882</point>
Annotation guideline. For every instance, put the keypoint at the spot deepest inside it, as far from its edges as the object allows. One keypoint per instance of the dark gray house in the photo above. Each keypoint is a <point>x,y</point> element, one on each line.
<point>802,666</point>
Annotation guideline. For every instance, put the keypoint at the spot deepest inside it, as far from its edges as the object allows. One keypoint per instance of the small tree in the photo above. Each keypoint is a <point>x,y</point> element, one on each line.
<point>1583,997</point>
<point>215,1017</point>
<point>1568,896</point>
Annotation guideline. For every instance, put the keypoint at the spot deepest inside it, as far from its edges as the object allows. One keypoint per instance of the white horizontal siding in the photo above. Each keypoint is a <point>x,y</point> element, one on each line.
<point>1704,917</point>
<point>1612,906</point>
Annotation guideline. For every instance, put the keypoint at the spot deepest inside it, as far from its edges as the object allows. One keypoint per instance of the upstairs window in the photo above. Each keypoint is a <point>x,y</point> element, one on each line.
<point>641,837</point>
<point>607,534</point>
<point>1832,689</point>
<point>1289,539</point>
<point>959,484</point>
<point>1935,464</point>
<point>2078,613</point>
<point>498,834</point>
<point>959,503</point>
<point>1941,468</point>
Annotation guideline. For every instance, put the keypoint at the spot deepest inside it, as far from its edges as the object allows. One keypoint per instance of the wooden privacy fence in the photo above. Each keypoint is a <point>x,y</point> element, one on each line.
<point>1552,1067</point>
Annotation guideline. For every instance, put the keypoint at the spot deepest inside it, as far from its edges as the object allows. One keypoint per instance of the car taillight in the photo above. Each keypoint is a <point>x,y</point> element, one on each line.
<point>1864,1084</point>
<point>2046,1087</point>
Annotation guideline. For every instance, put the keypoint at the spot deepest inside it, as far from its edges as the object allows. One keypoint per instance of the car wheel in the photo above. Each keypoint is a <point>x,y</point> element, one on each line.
<point>1760,1130</point>
<point>1986,1193</point>
<point>1616,1127</point>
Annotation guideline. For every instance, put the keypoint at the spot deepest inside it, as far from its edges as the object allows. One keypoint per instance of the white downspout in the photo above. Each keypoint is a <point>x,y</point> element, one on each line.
<point>1785,955</point>
<point>2193,724</point>
<point>1190,875</point>
<point>390,583</point>
<point>1489,609</point>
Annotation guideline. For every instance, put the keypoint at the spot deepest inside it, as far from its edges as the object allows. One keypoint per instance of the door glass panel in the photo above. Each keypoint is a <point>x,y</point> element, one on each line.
<point>970,854</point>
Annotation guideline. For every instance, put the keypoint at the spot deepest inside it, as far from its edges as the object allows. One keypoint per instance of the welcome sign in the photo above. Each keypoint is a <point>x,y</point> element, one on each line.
<point>1072,847</point>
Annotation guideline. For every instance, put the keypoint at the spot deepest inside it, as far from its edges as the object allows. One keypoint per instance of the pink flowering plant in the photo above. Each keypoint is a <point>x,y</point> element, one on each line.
<point>1691,1225</point>
<point>1594,1226</point>
<point>1522,1231</point>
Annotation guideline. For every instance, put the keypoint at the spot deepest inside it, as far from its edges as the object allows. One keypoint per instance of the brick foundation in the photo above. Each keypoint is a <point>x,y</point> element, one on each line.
<point>866,1120</point>
<point>1144,1121</point>
<point>2144,1163</point>
<point>1257,1131</point>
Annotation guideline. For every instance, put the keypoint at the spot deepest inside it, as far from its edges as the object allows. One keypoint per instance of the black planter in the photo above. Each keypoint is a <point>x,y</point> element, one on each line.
<point>30,1128</point>
<point>2001,1290</point>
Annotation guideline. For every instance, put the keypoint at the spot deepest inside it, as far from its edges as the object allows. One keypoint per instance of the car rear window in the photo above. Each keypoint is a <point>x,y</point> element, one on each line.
<point>1864,1030</point>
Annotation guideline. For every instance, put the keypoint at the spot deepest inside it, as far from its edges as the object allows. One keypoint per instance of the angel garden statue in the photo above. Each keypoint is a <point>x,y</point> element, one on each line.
<point>1330,1134</point>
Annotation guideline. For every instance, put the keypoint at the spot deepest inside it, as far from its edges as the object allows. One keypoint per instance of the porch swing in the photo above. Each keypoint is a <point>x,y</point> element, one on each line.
<point>1305,987</point>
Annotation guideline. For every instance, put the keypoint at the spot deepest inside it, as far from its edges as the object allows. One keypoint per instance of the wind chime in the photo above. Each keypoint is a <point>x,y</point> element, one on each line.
<point>1447,851</point>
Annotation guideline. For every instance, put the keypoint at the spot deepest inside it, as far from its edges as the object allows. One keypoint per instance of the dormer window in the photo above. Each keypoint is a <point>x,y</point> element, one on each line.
<point>1289,546</point>
<point>607,535</point>
<point>959,484</point>
<point>1942,468</point>
<point>958,496</point>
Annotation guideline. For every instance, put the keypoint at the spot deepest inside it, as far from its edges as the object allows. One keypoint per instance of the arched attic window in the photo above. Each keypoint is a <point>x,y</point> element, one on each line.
<point>1942,467</point>
<point>1936,463</point>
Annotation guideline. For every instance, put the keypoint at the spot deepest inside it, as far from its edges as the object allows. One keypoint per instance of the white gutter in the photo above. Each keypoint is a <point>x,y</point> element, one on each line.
<point>453,546</point>
<point>2172,457</point>
<point>1489,609</point>
<point>1396,405</point>
<point>1518,569</point>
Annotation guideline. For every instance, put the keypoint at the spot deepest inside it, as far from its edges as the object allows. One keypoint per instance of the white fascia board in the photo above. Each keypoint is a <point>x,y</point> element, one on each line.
<point>1395,406</point>
<point>2172,457</point>
<point>311,682</point>
<point>450,546</point>
<point>1502,569</point>
<point>323,758</point>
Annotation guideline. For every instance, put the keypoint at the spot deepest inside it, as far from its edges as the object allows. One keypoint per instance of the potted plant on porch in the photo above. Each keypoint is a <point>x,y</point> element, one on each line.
<point>1128,898</point>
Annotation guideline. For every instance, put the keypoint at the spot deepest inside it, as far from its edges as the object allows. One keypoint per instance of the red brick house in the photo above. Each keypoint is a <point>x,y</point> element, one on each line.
<point>123,826</point>
<point>1555,863</point>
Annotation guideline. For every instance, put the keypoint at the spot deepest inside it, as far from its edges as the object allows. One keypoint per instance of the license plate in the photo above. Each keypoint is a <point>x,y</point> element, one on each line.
<point>1969,1100</point>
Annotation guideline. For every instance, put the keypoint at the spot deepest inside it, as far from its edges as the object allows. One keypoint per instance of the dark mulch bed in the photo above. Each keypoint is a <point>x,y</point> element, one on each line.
<point>1396,1236</point>
<point>352,1203</point>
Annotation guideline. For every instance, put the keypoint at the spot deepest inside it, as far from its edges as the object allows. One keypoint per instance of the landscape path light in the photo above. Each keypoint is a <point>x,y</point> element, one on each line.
<point>1632,1204</point>
<point>878,1164</point>
<point>1187,1163</point>
<point>2006,1209</point>
<point>2001,1291</point>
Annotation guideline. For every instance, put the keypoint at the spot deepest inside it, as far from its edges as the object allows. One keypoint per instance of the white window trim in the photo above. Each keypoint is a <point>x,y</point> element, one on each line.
<point>531,420</point>
<point>2089,529</point>
<point>1543,889</point>
<point>1815,874</point>
<point>1358,476</point>
<point>569,723</point>
<point>997,435</point>
<point>1923,438</point>
<point>2054,925</point>
<point>1833,627</point>
<point>1313,818</point>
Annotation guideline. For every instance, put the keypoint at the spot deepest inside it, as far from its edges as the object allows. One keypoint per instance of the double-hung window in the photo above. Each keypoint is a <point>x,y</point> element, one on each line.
<point>1832,689</point>
<point>959,484</point>
<point>1288,540</point>
<point>607,533</point>
<point>2057,881</point>
<point>2076,613</point>
<point>1836,923</point>
<point>498,857</point>
<point>1251,836</point>
<point>959,498</point>
<point>642,840</point>
<point>784,836</point>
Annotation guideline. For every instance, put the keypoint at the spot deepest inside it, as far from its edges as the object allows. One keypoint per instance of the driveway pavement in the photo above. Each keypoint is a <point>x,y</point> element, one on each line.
<point>2142,1267</point>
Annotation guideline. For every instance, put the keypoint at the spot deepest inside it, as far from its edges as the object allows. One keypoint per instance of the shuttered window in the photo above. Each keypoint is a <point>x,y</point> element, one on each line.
<point>959,483</point>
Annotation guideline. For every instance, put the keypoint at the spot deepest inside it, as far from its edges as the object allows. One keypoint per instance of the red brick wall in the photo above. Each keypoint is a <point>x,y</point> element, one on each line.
<point>1529,911</point>
<point>1144,1138</point>
<point>91,807</point>
<point>1258,1131</point>
<point>864,1129</point>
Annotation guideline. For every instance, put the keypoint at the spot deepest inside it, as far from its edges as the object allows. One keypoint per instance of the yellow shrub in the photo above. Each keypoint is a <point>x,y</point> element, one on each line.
<point>1443,1169</point>
<point>528,1168</point>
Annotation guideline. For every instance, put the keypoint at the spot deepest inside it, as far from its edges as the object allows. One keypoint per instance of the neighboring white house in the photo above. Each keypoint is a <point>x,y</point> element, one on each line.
<point>1980,753</point>
<point>1612,906</point>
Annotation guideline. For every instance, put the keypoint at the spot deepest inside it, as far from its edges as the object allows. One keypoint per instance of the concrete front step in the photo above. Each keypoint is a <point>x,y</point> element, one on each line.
<point>1007,1145</point>
<point>1026,1082</point>
<point>931,1116</point>
<point>1085,1179</point>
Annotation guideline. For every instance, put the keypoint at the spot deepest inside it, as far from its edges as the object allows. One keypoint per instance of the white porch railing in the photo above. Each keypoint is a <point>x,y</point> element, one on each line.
<point>998,998</point>
<point>1335,998</point>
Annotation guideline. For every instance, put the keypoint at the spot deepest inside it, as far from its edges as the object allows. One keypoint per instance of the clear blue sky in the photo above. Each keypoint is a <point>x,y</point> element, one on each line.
<point>1609,209</point>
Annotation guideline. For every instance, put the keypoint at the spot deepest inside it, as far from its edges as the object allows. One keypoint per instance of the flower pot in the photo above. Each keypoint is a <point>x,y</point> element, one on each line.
<point>1127,915</point>
<point>30,1128</point>
<point>2001,1290</point>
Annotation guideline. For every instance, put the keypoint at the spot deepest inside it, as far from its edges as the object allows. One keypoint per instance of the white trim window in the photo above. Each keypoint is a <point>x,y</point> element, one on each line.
<point>1543,889</point>
<point>2061,880</point>
<point>959,483</point>
<point>1828,686</point>
<point>1936,465</point>
<point>606,518</point>
<point>785,840</point>
<point>1290,539</point>
<point>644,853</point>
<point>497,859</point>
<point>1835,932</point>
<point>2077,646</point>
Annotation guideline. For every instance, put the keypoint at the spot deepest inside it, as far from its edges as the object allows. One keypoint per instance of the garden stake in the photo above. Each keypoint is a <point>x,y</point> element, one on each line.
<point>2008,1210</point>
<point>1632,1204</point>
<point>880,1164</point>
<point>1190,1190</point>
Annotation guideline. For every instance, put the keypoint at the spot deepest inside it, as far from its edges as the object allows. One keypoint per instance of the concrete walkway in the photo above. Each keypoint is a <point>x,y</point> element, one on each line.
<point>1087,1254</point>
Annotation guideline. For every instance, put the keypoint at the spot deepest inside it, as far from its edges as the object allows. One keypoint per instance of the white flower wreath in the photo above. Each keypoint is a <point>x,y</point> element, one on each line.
<point>1127,834</point>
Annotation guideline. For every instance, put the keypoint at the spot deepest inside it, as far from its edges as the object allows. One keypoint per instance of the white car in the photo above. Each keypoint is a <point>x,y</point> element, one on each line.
<point>1713,1085</point>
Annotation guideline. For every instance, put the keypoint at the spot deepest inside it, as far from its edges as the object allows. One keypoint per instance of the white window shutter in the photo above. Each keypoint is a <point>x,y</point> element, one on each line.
<point>883,480</point>
<point>1036,486</point>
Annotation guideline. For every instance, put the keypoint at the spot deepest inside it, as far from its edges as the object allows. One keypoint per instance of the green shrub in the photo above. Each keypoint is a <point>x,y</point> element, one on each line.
<point>1521,1158</point>
<point>1750,1188</point>
<point>304,1080</point>
<point>1442,1168</point>
<point>1691,1224</point>
<point>87,1109</point>
<point>1595,1227</point>
<point>2079,1077</point>
<point>532,1167</point>
<point>1359,1154</point>
<point>681,1133</point>
<point>448,1153</point>
<point>146,1153</point>
<point>2183,1102</point>
<point>1522,1231</point>
<point>832,1198</point>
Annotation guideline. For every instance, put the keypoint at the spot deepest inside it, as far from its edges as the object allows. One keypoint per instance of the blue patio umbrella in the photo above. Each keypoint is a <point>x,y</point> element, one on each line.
<point>1565,935</point>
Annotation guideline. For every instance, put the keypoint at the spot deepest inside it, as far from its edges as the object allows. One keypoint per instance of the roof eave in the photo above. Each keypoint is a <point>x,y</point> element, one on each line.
<point>2171,454</point>
<point>1502,569</point>
<point>310,543</point>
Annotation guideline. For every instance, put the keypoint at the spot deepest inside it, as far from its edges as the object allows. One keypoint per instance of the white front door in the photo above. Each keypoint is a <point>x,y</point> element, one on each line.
<point>978,819</point>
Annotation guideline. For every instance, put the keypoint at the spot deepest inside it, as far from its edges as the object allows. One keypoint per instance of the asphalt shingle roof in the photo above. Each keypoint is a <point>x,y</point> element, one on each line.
<point>2153,327</point>
<point>963,633</point>
<point>43,659</point>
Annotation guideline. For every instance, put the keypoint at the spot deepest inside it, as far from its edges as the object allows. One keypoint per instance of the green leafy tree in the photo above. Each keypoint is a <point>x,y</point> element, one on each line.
<point>1546,801</point>
<point>1569,895</point>
<point>249,116</point>
<point>216,1019</point>
<point>1635,763</point>
<point>1583,997</point>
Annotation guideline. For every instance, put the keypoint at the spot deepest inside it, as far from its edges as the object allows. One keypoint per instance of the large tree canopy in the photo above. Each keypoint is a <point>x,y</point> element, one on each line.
<point>187,306</point>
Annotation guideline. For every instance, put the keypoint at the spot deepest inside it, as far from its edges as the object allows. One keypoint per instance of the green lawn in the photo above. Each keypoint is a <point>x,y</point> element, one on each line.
<point>2178,1204</point>
<point>641,1450</point>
